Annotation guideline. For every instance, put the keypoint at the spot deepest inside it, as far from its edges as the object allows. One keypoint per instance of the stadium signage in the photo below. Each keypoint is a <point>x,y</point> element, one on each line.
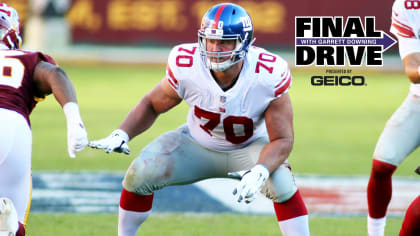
<point>332,41</point>
<point>170,22</point>
<point>167,22</point>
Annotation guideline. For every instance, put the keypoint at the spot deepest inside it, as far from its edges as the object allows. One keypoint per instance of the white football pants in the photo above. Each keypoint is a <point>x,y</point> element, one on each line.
<point>176,159</point>
<point>15,161</point>
<point>401,134</point>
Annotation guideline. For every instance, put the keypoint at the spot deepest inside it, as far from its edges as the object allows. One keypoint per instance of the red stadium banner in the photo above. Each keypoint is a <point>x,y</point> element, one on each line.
<point>138,22</point>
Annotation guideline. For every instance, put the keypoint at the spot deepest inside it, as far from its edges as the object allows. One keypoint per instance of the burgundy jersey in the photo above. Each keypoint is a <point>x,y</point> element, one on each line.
<point>17,88</point>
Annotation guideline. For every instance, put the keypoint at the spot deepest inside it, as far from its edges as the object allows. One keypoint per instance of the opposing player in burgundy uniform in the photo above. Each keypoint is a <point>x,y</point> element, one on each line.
<point>401,134</point>
<point>240,118</point>
<point>25,78</point>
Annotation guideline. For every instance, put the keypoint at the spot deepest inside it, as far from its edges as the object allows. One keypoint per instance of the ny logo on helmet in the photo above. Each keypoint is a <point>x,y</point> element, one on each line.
<point>246,23</point>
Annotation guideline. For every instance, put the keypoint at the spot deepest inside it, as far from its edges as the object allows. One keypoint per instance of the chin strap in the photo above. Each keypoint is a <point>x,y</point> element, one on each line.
<point>221,66</point>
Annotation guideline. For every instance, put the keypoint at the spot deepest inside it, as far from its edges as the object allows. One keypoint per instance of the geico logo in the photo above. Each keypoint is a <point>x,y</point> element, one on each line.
<point>344,80</point>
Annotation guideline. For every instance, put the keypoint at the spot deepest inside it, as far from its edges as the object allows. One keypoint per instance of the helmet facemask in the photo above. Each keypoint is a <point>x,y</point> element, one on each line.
<point>10,38</point>
<point>221,61</point>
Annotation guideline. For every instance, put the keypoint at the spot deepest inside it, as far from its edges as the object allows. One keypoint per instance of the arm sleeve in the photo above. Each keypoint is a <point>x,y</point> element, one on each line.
<point>46,58</point>
<point>280,80</point>
<point>283,82</point>
<point>173,75</point>
<point>407,46</point>
<point>402,28</point>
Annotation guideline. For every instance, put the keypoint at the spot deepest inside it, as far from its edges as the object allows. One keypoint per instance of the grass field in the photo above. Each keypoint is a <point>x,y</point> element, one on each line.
<point>336,129</point>
<point>194,225</point>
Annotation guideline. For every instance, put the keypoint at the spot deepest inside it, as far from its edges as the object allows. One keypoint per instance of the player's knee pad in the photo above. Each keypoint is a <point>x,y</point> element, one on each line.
<point>281,186</point>
<point>154,167</point>
<point>281,197</point>
<point>147,173</point>
<point>135,178</point>
<point>401,134</point>
<point>382,169</point>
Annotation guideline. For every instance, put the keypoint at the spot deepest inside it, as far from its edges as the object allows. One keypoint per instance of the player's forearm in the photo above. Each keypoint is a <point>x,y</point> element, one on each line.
<point>412,67</point>
<point>413,74</point>
<point>61,86</point>
<point>275,153</point>
<point>140,118</point>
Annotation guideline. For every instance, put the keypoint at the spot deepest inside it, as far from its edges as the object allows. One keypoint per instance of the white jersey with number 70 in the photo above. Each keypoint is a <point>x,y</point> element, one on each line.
<point>227,120</point>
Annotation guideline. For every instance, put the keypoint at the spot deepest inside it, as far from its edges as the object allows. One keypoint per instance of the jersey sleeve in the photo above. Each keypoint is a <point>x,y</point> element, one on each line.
<point>279,81</point>
<point>402,28</point>
<point>46,58</point>
<point>407,46</point>
<point>283,81</point>
<point>173,75</point>
<point>31,59</point>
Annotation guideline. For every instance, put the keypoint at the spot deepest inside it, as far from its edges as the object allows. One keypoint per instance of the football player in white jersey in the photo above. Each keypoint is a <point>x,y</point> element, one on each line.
<point>401,134</point>
<point>240,118</point>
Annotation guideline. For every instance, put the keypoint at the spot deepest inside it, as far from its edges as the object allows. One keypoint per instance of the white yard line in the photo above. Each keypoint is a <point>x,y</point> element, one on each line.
<point>100,192</point>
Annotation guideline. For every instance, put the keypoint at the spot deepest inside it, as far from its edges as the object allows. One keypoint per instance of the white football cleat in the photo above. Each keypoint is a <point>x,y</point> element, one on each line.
<point>8,218</point>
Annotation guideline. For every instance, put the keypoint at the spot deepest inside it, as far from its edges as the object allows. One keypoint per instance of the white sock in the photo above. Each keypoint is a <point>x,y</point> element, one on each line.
<point>130,221</point>
<point>297,226</point>
<point>376,226</point>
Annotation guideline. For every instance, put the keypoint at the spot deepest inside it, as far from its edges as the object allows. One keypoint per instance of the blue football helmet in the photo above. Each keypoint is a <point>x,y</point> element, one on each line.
<point>225,21</point>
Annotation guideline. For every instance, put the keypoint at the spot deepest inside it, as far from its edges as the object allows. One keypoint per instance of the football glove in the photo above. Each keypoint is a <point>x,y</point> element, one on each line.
<point>115,142</point>
<point>8,217</point>
<point>77,137</point>
<point>251,182</point>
